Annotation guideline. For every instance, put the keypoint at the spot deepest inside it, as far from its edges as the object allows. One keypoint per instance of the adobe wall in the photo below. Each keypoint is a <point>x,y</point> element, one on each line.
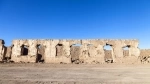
<point>108,54</point>
<point>145,52</point>
<point>59,51</point>
<point>126,53</point>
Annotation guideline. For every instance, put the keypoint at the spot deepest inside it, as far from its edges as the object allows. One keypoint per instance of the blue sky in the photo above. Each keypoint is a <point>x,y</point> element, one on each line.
<point>75,19</point>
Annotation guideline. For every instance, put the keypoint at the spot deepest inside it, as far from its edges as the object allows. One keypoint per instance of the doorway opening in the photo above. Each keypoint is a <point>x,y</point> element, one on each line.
<point>59,50</point>
<point>75,53</point>
<point>40,53</point>
<point>126,50</point>
<point>24,50</point>
<point>108,53</point>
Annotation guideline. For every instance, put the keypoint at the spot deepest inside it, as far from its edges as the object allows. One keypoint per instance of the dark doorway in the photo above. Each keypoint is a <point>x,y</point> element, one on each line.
<point>24,50</point>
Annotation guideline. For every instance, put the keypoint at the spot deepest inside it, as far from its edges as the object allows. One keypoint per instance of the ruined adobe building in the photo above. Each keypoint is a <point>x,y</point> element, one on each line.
<point>68,51</point>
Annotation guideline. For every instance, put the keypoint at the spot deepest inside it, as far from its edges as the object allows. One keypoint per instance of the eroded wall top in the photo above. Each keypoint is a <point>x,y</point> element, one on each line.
<point>95,42</point>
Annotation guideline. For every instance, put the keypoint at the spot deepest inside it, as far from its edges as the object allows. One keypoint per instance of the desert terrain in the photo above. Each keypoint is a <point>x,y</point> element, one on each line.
<point>41,73</point>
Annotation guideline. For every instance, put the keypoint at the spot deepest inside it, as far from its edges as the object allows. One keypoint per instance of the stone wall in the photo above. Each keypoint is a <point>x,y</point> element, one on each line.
<point>67,51</point>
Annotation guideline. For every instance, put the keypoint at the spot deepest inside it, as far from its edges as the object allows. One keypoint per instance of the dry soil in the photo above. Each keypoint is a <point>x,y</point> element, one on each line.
<point>74,74</point>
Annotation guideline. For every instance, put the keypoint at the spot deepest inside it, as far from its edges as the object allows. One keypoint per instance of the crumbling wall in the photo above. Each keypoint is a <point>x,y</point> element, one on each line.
<point>93,51</point>
<point>145,52</point>
<point>118,46</point>
<point>2,48</point>
<point>133,49</point>
<point>145,56</point>
<point>17,55</point>
<point>16,50</point>
<point>117,49</point>
<point>51,50</point>
<point>60,51</point>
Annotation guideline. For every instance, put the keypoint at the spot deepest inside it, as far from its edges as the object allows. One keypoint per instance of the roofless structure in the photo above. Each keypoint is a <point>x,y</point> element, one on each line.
<point>69,51</point>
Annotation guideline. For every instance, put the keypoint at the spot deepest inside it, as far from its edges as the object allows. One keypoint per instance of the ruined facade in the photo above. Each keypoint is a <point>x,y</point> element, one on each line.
<point>69,51</point>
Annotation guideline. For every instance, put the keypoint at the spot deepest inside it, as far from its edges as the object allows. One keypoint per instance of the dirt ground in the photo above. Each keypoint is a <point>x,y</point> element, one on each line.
<point>74,74</point>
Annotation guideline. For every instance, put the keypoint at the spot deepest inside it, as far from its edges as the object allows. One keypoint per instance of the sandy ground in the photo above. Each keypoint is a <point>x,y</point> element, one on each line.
<point>74,74</point>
